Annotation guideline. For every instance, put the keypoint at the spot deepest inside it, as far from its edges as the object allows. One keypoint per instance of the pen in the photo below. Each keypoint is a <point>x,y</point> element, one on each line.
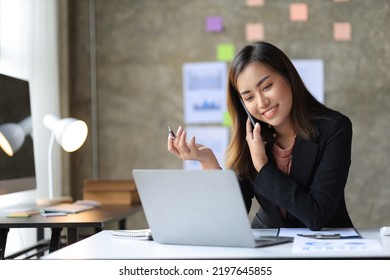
<point>171,133</point>
<point>321,236</point>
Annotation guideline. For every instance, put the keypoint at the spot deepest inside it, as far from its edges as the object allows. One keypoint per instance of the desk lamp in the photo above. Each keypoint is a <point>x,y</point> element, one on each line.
<point>12,135</point>
<point>70,134</point>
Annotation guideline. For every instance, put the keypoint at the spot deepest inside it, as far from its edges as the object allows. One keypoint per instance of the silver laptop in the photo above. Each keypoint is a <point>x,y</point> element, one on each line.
<point>197,207</point>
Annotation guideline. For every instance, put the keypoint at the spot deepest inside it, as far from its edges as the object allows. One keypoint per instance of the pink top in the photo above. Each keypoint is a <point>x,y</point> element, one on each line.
<point>283,159</point>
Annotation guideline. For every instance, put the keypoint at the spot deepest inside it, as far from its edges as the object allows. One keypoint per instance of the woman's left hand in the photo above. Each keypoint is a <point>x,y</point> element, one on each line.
<point>191,150</point>
<point>256,145</point>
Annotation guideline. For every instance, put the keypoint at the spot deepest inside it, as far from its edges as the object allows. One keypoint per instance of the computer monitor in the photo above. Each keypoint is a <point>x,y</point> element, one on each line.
<point>17,166</point>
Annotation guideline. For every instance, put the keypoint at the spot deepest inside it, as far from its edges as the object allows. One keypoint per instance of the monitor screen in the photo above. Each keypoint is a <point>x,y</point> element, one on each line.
<point>17,167</point>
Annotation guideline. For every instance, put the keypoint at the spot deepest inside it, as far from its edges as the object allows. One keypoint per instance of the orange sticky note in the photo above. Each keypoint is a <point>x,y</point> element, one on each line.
<point>253,3</point>
<point>254,32</point>
<point>342,31</point>
<point>299,12</point>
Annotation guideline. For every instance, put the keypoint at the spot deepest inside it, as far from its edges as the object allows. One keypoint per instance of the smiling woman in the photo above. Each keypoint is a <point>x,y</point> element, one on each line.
<point>292,174</point>
<point>268,99</point>
<point>295,159</point>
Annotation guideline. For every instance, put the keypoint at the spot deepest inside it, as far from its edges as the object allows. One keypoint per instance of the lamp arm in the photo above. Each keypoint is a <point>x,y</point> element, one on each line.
<point>50,166</point>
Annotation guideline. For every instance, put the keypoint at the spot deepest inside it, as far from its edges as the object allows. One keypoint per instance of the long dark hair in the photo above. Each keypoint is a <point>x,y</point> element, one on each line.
<point>304,106</point>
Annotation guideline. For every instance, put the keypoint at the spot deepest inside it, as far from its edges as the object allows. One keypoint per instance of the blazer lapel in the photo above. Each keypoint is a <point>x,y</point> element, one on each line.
<point>304,158</point>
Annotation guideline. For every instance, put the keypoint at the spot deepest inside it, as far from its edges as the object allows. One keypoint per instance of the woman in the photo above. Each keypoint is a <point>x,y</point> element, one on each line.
<point>295,159</point>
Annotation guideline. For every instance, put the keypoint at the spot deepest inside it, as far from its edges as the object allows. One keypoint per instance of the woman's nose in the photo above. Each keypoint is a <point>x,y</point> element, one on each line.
<point>262,101</point>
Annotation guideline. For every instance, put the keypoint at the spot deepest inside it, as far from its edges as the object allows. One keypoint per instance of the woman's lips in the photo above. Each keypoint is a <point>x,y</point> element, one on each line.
<point>270,112</point>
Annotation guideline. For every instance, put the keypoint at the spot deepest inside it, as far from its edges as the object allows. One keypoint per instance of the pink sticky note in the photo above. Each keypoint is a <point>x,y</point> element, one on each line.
<point>254,3</point>
<point>299,12</point>
<point>214,24</point>
<point>254,32</point>
<point>342,31</point>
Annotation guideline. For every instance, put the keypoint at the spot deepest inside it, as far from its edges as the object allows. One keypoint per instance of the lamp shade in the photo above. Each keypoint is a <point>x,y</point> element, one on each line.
<point>12,135</point>
<point>70,133</point>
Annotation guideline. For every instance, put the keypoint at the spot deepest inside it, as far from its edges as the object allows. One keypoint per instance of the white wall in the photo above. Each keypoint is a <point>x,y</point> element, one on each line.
<point>29,50</point>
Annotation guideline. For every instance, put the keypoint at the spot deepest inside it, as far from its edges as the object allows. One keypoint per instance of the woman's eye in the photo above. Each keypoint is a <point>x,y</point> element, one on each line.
<point>268,86</point>
<point>248,98</point>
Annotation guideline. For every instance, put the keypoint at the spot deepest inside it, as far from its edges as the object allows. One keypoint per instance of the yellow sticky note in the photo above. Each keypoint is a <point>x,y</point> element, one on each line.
<point>23,214</point>
<point>227,120</point>
<point>254,32</point>
<point>225,52</point>
<point>299,12</point>
<point>342,31</point>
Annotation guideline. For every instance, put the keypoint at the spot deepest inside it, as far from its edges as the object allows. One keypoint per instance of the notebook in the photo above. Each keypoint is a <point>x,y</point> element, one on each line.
<point>69,208</point>
<point>134,234</point>
<point>197,207</point>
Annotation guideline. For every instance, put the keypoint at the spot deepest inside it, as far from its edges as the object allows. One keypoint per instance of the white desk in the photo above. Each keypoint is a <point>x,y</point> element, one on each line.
<point>94,218</point>
<point>103,246</point>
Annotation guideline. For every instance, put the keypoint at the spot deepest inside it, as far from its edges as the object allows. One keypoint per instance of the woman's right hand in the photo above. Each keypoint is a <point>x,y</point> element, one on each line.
<point>191,150</point>
<point>256,145</point>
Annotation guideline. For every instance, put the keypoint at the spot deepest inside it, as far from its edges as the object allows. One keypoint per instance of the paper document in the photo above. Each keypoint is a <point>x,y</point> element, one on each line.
<point>310,245</point>
<point>204,86</point>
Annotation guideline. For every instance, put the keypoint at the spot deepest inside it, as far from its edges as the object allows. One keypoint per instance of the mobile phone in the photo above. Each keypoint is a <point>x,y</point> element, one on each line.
<point>247,112</point>
<point>171,133</point>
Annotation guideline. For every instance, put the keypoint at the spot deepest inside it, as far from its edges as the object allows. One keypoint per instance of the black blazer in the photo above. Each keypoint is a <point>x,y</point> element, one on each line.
<point>313,193</point>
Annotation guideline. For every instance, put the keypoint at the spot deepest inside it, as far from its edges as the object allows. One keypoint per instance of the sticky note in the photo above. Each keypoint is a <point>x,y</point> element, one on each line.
<point>254,32</point>
<point>342,31</point>
<point>227,120</point>
<point>225,52</point>
<point>214,24</point>
<point>254,3</point>
<point>299,12</point>
<point>23,214</point>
